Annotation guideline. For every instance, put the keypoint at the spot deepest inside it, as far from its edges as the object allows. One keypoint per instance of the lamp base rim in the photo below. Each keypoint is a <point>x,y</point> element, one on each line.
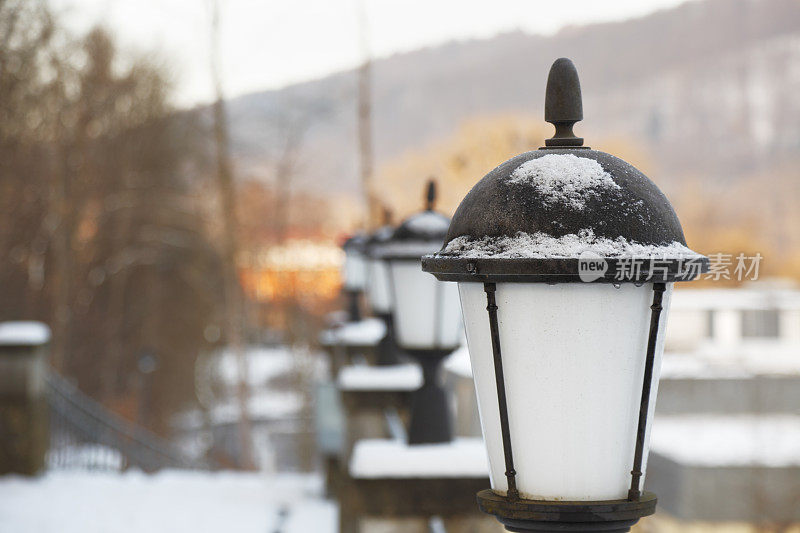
<point>529,526</point>
<point>552,516</point>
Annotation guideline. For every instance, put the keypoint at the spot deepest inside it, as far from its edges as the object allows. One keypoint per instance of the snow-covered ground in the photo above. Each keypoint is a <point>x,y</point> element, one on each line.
<point>385,458</point>
<point>263,405</point>
<point>168,502</point>
<point>733,440</point>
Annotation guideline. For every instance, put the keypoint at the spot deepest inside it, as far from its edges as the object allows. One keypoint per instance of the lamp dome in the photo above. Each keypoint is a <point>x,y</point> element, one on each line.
<point>534,217</point>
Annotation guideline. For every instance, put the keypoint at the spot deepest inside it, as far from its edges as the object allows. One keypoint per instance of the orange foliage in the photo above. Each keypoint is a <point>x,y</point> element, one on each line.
<point>756,214</point>
<point>457,163</point>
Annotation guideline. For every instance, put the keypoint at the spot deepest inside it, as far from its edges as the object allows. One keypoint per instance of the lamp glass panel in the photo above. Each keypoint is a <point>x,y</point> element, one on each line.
<point>355,271</point>
<point>426,311</point>
<point>573,360</point>
<point>378,286</point>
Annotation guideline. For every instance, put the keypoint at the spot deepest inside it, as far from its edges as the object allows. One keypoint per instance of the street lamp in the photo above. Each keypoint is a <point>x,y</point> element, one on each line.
<point>427,316</point>
<point>379,294</point>
<point>354,273</point>
<point>565,259</point>
<point>147,364</point>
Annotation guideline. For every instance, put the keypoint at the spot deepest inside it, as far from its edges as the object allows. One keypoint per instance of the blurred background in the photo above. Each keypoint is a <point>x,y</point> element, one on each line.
<point>177,178</point>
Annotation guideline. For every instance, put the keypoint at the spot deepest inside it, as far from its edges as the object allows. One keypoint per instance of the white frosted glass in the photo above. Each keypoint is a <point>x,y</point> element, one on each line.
<point>426,311</point>
<point>378,286</point>
<point>573,360</point>
<point>355,271</point>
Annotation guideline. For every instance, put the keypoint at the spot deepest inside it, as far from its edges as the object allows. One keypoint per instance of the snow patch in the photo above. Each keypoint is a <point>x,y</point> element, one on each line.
<point>406,377</point>
<point>367,332</point>
<point>262,406</point>
<point>410,248</point>
<point>564,179</point>
<point>200,502</point>
<point>382,234</point>
<point>382,458</point>
<point>458,363</point>
<point>23,333</point>
<point>263,364</point>
<point>428,223</point>
<point>543,246</point>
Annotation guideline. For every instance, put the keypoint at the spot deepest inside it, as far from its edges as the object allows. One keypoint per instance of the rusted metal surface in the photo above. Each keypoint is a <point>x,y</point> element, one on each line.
<point>533,515</point>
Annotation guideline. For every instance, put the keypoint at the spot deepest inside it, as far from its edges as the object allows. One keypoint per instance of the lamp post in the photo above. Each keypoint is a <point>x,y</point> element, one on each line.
<point>24,428</point>
<point>565,259</point>
<point>147,364</point>
<point>427,316</point>
<point>379,294</point>
<point>354,273</point>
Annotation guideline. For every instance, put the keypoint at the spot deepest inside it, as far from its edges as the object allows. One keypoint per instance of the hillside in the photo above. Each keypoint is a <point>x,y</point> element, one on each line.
<point>707,89</point>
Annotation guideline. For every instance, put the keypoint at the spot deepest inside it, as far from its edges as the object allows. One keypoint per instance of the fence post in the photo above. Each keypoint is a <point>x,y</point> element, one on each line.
<point>23,405</point>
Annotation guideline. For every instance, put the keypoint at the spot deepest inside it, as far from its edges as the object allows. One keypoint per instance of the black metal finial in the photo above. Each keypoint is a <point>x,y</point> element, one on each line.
<point>562,103</point>
<point>430,197</point>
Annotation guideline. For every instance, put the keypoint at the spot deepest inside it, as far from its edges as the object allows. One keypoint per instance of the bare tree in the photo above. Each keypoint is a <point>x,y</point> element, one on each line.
<point>291,129</point>
<point>234,298</point>
<point>101,234</point>
<point>371,203</point>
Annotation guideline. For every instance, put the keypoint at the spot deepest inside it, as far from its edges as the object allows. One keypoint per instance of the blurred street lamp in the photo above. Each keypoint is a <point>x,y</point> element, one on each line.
<point>427,316</point>
<point>379,294</point>
<point>565,259</point>
<point>354,273</point>
<point>146,364</point>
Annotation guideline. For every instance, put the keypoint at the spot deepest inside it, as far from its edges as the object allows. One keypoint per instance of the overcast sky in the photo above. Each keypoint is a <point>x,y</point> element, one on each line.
<point>271,43</point>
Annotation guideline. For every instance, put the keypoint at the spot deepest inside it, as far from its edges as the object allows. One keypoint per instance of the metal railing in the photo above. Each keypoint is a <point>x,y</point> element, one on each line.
<point>86,435</point>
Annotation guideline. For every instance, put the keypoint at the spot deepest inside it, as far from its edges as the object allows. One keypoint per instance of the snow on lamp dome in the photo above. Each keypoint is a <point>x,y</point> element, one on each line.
<point>565,259</point>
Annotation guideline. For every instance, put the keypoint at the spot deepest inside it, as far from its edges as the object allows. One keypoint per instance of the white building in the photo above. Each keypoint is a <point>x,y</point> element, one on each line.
<point>762,315</point>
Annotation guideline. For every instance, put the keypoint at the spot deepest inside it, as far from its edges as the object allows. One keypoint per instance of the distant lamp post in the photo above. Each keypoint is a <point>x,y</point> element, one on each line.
<point>427,315</point>
<point>379,294</point>
<point>146,364</point>
<point>565,259</point>
<point>24,427</point>
<point>354,273</point>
